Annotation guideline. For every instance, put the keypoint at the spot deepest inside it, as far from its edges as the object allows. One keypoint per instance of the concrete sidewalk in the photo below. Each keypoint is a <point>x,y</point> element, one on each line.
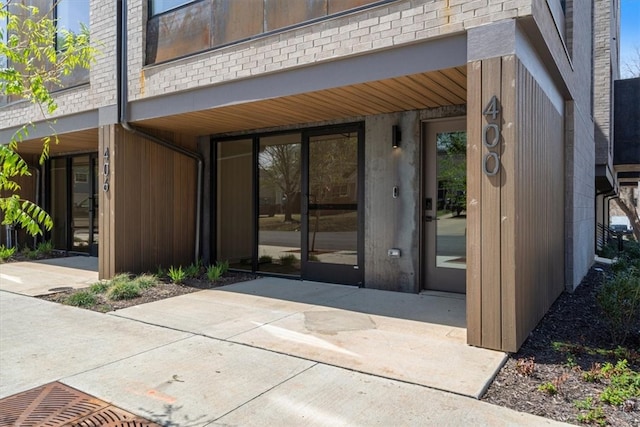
<point>48,275</point>
<point>264,352</point>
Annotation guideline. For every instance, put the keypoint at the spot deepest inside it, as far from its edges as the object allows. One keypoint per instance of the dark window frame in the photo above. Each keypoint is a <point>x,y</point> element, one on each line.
<point>306,133</point>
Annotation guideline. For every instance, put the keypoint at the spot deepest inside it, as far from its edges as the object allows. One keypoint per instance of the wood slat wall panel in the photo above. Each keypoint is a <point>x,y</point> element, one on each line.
<point>474,204</point>
<point>508,202</point>
<point>148,217</point>
<point>515,220</point>
<point>539,192</point>
<point>491,188</point>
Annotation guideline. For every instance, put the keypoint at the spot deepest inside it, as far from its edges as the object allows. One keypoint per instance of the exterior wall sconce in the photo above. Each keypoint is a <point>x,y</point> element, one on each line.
<point>396,136</point>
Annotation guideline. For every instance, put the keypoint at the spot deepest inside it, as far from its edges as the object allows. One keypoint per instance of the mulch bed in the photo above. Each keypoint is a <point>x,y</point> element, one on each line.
<point>562,348</point>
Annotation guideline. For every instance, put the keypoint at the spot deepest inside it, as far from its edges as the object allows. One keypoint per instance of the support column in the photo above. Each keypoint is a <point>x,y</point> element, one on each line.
<point>490,253</point>
<point>106,201</point>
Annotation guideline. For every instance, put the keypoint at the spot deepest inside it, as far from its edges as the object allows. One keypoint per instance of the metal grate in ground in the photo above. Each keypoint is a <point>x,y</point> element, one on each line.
<point>55,404</point>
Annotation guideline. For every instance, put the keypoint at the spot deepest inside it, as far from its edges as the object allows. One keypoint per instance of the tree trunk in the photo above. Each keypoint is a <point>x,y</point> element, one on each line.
<point>631,213</point>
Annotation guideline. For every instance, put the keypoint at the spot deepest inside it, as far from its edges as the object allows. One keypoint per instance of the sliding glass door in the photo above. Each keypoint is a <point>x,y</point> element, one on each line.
<point>290,203</point>
<point>333,220</point>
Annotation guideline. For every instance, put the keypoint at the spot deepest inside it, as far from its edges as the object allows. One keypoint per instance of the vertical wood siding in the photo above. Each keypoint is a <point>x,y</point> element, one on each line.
<point>148,217</point>
<point>515,220</point>
<point>539,203</point>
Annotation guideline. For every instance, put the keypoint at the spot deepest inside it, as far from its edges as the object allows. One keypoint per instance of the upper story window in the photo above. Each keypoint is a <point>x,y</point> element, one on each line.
<point>174,31</point>
<point>160,6</point>
<point>71,15</point>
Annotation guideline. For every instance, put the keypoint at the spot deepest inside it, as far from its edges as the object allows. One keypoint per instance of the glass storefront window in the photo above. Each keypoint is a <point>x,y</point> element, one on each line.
<point>235,207</point>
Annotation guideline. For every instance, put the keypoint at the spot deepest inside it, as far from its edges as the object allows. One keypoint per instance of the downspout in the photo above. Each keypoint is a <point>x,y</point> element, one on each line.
<point>122,117</point>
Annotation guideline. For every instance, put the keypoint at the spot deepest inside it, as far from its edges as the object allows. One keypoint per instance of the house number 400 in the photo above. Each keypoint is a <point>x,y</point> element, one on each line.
<point>491,138</point>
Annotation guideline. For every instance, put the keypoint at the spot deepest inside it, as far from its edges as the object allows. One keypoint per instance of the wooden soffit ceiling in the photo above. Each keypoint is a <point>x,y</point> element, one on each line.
<point>413,92</point>
<point>68,143</point>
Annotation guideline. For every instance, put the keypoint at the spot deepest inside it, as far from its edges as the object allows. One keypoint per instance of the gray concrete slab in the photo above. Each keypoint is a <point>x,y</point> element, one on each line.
<point>418,352</point>
<point>44,276</point>
<point>232,310</point>
<point>192,382</point>
<point>330,396</point>
<point>41,341</point>
<point>415,338</point>
<point>177,378</point>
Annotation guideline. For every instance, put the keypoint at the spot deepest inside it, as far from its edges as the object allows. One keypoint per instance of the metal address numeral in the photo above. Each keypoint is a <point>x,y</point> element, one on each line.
<point>491,111</point>
<point>496,164</point>
<point>105,170</point>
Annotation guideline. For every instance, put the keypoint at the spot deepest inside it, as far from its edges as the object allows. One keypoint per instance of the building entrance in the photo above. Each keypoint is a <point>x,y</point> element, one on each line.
<point>444,209</point>
<point>73,203</point>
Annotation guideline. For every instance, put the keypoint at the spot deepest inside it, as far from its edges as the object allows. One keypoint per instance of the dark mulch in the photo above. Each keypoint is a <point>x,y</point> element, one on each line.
<point>164,289</point>
<point>562,347</point>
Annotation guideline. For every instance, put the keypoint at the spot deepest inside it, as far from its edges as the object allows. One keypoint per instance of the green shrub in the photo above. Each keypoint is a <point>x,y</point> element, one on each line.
<point>160,272</point>
<point>81,299</point>
<point>214,272</point>
<point>619,299</point>
<point>6,253</point>
<point>192,270</point>
<point>145,281</point>
<point>177,275</point>
<point>44,248</point>
<point>224,265</point>
<point>625,383</point>
<point>288,260</point>
<point>29,253</point>
<point>123,290</point>
<point>99,287</point>
<point>548,388</point>
<point>120,278</point>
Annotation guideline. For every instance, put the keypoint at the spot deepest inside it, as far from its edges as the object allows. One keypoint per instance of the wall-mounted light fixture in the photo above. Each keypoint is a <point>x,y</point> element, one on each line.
<point>396,136</point>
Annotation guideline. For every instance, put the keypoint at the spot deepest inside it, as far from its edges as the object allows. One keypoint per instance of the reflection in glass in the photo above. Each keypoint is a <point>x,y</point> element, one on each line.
<point>452,200</point>
<point>59,203</point>
<point>94,216</point>
<point>234,212</point>
<point>279,204</point>
<point>333,199</point>
<point>82,201</point>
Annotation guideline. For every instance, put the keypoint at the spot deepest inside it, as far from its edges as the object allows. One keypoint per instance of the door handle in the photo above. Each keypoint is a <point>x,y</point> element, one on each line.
<point>430,218</point>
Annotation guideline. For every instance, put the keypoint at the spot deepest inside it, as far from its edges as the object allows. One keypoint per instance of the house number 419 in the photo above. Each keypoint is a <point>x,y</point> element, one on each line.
<point>491,137</point>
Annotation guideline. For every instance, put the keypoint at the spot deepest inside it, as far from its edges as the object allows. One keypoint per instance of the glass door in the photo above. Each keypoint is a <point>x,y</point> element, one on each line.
<point>279,236</point>
<point>332,208</point>
<point>82,196</point>
<point>445,203</point>
<point>74,203</point>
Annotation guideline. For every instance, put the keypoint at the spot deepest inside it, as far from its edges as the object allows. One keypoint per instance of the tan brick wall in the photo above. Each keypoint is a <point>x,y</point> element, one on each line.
<point>380,27</point>
<point>101,91</point>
